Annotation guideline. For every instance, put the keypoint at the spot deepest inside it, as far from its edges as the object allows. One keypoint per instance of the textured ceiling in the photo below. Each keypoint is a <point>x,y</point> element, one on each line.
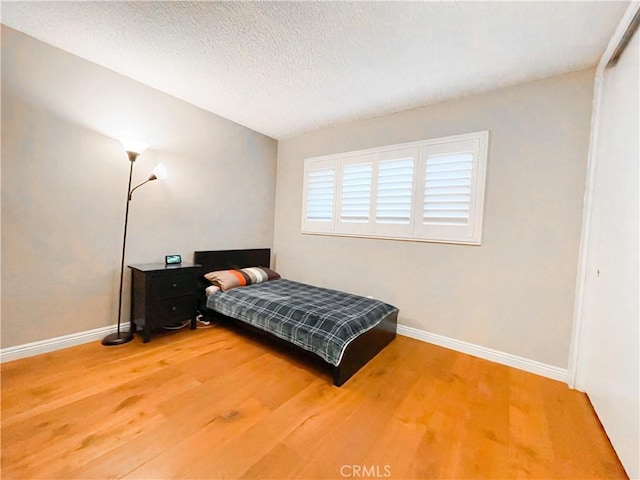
<point>283,68</point>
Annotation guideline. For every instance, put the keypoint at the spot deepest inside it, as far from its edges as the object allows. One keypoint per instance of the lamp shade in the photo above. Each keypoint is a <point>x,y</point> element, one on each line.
<point>133,145</point>
<point>159,172</point>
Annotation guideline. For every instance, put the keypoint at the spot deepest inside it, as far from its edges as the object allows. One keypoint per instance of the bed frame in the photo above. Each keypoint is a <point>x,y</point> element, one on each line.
<point>356,355</point>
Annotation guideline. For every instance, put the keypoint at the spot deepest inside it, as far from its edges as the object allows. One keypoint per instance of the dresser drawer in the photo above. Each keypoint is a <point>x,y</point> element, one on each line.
<point>170,310</point>
<point>173,285</point>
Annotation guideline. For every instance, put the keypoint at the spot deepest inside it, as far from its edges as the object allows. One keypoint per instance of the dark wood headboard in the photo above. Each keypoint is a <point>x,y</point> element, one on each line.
<point>225,259</point>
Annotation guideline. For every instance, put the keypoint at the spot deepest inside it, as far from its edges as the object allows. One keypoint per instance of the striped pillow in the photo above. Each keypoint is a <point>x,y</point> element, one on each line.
<point>228,279</point>
<point>259,274</point>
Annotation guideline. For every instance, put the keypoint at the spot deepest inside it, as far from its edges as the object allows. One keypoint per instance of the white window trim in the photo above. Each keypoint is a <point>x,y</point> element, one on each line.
<point>470,234</point>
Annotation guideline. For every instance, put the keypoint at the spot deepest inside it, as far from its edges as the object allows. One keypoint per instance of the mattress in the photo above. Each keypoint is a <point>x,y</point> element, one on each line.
<point>319,320</point>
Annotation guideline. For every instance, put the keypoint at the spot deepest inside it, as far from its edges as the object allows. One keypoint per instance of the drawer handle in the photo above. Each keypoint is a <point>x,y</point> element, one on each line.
<point>173,309</point>
<point>174,285</point>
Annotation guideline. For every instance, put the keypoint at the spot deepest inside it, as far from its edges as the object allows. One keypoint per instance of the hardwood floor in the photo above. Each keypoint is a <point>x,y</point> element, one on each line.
<point>213,403</point>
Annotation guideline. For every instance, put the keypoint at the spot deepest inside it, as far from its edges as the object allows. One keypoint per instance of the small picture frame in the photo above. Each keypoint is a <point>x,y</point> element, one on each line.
<point>172,259</point>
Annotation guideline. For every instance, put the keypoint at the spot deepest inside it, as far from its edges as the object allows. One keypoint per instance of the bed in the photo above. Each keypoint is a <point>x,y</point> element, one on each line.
<point>298,312</point>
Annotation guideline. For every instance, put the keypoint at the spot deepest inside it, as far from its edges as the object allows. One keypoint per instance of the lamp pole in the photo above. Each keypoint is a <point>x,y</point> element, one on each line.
<point>119,337</point>
<point>133,148</point>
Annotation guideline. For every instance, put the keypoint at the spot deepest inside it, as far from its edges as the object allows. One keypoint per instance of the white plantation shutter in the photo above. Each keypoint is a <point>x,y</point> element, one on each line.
<point>447,189</point>
<point>432,190</point>
<point>356,192</point>
<point>320,195</point>
<point>320,187</point>
<point>394,191</point>
<point>453,189</point>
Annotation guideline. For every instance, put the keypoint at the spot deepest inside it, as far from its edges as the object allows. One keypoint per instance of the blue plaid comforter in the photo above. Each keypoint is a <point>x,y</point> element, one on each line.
<point>317,319</point>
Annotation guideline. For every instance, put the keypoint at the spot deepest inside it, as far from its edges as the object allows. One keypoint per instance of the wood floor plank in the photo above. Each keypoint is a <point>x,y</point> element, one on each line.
<point>440,452</point>
<point>219,404</point>
<point>234,458</point>
<point>50,389</point>
<point>571,417</point>
<point>193,410</point>
<point>90,426</point>
<point>342,403</point>
<point>410,421</point>
<point>531,450</point>
<point>184,416</point>
<point>192,457</point>
<point>280,463</point>
<point>364,423</point>
<point>487,427</point>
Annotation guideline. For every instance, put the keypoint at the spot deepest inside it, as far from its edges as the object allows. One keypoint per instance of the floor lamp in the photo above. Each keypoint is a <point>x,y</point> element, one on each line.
<point>133,148</point>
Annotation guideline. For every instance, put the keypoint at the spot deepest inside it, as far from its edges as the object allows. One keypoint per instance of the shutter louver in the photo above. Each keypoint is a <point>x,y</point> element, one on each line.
<point>356,193</point>
<point>320,190</point>
<point>395,186</point>
<point>447,193</point>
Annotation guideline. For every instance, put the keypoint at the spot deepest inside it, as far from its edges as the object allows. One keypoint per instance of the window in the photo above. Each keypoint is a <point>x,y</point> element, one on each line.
<point>431,190</point>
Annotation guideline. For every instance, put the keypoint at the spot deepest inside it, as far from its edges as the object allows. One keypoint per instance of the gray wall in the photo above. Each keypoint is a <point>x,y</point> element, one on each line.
<point>64,184</point>
<point>64,180</point>
<point>514,293</point>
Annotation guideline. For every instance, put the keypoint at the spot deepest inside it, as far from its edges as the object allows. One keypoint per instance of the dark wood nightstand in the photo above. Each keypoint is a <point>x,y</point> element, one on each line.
<point>163,295</point>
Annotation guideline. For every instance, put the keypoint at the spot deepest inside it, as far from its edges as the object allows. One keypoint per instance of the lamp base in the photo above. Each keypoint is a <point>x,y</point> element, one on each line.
<point>118,338</point>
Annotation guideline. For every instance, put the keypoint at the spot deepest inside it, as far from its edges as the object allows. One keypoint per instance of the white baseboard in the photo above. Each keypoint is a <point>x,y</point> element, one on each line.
<point>497,356</point>
<point>57,343</point>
